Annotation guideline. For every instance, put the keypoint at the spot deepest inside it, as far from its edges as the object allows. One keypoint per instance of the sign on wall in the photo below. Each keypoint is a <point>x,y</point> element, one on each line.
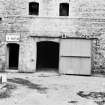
<point>13,37</point>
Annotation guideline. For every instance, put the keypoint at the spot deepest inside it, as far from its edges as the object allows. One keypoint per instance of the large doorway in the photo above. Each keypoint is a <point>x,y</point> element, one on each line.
<point>13,55</point>
<point>47,55</point>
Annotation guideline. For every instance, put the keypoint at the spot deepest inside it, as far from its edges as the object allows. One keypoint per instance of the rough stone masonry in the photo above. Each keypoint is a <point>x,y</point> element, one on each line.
<point>86,19</point>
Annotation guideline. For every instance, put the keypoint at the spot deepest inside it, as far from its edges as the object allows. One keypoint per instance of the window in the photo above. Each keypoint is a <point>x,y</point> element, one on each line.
<point>64,9</point>
<point>33,8</point>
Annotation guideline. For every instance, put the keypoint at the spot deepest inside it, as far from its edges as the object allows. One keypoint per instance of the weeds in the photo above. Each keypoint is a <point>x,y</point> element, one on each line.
<point>98,97</point>
<point>5,90</point>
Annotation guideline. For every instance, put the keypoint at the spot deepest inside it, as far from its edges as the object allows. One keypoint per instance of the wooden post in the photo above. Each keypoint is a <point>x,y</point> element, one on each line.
<point>4,78</point>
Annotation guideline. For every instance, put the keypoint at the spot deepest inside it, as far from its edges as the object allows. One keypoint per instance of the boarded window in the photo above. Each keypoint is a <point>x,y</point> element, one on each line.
<point>64,9</point>
<point>33,8</point>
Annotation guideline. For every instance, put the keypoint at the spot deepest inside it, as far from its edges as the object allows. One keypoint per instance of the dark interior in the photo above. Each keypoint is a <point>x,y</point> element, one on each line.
<point>33,8</point>
<point>47,55</point>
<point>13,55</point>
<point>64,9</point>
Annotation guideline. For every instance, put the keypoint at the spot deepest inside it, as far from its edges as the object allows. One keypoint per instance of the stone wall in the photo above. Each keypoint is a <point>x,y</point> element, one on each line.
<point>86,19</point>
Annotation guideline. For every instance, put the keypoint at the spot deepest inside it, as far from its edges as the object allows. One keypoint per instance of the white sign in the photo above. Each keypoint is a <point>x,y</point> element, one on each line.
<point>12,38</point>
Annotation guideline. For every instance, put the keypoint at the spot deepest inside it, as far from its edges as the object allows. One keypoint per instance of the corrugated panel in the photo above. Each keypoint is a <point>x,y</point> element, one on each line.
<point>75,56</point>
<point>75,47</point>
<point>73,65</point>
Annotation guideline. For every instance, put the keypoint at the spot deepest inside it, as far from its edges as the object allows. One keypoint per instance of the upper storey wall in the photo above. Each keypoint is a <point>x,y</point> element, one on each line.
<point>50,8</point>
<point>54,24</point>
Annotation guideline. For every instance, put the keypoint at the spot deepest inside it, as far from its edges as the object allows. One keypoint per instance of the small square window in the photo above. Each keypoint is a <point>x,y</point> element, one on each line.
<point>64,9</point>
<point>33,8</point>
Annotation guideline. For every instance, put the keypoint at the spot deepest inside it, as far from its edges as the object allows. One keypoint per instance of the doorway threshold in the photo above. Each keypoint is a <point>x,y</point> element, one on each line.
<point>46,73</point>
<point>12,70</point>
<point>51,70</point>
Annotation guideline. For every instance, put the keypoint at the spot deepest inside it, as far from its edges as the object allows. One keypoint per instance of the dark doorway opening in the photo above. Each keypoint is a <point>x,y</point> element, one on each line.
<point>13,55</point>
<point>47,55</point>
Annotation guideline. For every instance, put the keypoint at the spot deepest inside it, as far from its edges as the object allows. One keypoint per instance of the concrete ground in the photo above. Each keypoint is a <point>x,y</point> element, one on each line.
<point>44,88</point>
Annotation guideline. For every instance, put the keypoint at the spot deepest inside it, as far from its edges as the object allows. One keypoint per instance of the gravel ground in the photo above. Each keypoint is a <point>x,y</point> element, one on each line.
<point>53,89</point>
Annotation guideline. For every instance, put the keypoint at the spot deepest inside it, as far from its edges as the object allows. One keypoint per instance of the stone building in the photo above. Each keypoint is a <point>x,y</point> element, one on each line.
<point>63,35</point>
